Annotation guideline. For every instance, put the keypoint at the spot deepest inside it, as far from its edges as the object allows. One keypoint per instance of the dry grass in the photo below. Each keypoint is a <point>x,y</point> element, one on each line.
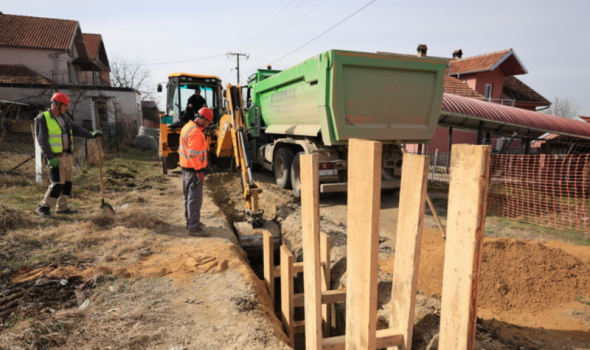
<point>12,218</point>
<point>116,316</point>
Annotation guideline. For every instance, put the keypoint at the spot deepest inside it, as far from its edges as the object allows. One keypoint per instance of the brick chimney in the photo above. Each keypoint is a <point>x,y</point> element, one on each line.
<point>457,54</point>
<point>422,50</point>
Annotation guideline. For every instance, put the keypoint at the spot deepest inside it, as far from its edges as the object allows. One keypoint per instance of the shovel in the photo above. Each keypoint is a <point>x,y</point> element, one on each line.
<point>105,207</point>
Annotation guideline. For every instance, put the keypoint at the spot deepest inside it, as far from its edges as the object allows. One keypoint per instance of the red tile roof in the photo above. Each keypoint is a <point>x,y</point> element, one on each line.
<point>455,86</point>
<point>92,42</point>
<point>478,63</point>
<point>36,32</point>
<point>519,91</point>
<point>586,119</point>
<point>17,74</point>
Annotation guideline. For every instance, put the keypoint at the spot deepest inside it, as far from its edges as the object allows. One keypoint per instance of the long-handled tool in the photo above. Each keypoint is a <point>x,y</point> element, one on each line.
<point>103,206</point>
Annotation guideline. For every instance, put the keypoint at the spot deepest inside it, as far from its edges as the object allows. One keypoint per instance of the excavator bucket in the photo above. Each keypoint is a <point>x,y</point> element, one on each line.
<point>251,238</point>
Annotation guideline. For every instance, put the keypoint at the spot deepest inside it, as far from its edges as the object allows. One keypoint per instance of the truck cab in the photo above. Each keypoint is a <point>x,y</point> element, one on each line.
<point>179,88</point>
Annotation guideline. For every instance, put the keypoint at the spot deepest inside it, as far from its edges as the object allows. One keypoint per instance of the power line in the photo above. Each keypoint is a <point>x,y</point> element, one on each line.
<point>317,37</point>
<point>247,42</point>
<point>288,25</point>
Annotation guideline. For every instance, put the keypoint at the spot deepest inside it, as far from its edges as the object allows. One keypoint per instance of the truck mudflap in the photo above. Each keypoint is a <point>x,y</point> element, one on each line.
<point>343,186</point>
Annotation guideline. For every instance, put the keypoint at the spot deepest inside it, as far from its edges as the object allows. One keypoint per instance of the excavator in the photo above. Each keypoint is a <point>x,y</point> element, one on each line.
<point>232,141</point>
<point>227,141</point>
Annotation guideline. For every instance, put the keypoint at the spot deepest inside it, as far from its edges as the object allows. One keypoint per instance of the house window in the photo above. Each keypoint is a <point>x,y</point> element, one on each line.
<point>488,91</point>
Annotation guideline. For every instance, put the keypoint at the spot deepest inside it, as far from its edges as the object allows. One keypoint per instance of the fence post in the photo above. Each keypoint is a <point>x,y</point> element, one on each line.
<point>434,166</point>
<point>38,158</point>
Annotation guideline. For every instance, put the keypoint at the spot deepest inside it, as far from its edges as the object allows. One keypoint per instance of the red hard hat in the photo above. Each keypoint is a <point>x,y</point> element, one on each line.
<point>206,113</point>
<point>61,97</point>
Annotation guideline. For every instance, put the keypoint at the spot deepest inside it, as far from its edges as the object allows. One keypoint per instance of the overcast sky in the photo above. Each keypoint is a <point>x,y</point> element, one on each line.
<point>549,37</point>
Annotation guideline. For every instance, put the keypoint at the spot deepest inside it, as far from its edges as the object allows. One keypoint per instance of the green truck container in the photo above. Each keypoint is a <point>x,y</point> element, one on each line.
<point>318,105</point>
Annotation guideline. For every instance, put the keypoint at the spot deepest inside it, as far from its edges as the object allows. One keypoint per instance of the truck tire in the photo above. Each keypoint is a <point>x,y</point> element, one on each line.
<point>164,165</point>
<point>282,167</point>
<point>296,175</point>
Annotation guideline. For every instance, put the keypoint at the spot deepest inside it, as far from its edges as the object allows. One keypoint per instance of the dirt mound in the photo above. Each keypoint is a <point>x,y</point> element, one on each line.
<point>518,276</point>
<point>530,277</point>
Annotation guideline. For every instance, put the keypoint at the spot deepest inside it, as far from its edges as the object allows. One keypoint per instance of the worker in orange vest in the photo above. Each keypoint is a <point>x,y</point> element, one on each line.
<point>193,160</point>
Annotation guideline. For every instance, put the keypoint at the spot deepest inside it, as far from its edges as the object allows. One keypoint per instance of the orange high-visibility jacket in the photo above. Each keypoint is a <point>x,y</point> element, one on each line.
<point>192,152</point>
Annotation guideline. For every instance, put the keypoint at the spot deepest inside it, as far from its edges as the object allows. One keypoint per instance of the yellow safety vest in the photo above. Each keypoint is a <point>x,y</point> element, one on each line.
<point>55,132</point>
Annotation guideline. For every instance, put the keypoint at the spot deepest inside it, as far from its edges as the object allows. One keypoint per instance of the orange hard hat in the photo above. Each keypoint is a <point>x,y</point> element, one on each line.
<point>61,97</point>
<point>206,113</point>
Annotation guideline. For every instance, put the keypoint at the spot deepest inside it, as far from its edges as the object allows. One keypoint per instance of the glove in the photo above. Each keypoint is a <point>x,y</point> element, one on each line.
<point>96,133</point>
<point>54,163</point>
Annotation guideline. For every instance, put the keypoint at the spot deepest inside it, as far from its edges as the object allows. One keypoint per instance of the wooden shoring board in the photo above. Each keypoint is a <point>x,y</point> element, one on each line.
<point>364,197</point>
<point>268,264</point>
<point>310,216</point>
<point>287,304</point>
<point>328,297</point>
<point>470,166</point>
<point>297,268</point>
<point>325,258</point>
<point>412,199</point>
<point>384,338</point>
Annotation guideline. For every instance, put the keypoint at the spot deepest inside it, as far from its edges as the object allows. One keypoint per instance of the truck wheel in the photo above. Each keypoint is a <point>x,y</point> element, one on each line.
<point>164,165</point>
<point>296,175</point>
<point>282,167</point>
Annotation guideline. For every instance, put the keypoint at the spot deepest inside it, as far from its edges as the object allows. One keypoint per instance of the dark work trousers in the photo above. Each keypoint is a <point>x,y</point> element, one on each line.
<point>193,198</point>
<point>60,188</point>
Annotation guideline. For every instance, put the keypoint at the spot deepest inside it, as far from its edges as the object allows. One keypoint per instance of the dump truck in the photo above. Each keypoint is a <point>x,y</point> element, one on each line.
<point>318,105</point>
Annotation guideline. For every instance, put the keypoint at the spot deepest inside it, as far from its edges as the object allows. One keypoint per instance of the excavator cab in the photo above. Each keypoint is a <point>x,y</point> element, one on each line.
<point>179,89</point>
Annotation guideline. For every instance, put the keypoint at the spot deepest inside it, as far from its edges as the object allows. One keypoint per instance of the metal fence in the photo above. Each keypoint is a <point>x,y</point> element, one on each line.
<point>541,189</point>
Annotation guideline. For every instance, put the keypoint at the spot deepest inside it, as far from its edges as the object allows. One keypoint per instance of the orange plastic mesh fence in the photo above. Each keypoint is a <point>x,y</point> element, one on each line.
<point>541,189</point>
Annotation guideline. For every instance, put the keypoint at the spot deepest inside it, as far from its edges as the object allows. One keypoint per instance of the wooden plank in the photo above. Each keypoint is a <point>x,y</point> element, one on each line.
<point>328,297</point>
<point>310,215</point>
<point>297,268</point>
<point>384,338</point>
<point>268,264</point>
<point>333,296</point>
<point>299,327</point>
<point>287,308</point>
<point>465,232</point>
<point>412,202</point>
<point>325,258</point>
<point>364,196</point>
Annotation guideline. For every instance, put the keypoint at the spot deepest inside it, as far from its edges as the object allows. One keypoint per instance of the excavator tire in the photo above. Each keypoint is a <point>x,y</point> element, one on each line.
<point>282,167</point>
<point>296,175</point>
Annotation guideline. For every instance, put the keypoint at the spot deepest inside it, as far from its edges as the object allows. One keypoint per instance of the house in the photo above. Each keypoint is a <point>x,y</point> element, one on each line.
<point>485,103</point>
<point>39,56</point>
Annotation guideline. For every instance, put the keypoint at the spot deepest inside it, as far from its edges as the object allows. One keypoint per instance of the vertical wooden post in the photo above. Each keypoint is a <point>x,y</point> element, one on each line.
<point>412,199</point>
<point>364,195</point>
<point>310,215</point>
<point>325,247</point>
<point>465,232</point>
<point>287,307</point>
<point>268,264</point>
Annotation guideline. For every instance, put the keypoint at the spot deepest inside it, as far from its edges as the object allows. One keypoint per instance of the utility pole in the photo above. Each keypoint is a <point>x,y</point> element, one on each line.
<point>237,54</point>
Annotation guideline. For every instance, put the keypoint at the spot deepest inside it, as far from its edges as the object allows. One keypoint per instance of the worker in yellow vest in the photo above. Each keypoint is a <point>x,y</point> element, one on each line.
<point>192,155</point>
<point>55,133</point>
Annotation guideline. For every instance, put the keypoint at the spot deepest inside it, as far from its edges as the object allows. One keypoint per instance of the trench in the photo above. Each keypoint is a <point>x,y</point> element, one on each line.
<point>282,207</point>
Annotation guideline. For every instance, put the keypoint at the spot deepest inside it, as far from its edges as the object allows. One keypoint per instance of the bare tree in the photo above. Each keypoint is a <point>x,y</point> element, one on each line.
<point>565,107</point>
<point>132,74</point>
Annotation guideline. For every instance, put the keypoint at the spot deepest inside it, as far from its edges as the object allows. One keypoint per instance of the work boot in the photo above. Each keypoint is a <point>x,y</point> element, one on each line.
<point>67,211</point>
<point>197,232</point>
<point>43,212</point>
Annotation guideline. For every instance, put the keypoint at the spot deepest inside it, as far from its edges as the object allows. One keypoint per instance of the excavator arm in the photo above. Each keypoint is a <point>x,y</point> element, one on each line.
<point>232,139</point>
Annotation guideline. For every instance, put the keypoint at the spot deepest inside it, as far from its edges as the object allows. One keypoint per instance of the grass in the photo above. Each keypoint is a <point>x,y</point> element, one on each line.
<point>27,240</point>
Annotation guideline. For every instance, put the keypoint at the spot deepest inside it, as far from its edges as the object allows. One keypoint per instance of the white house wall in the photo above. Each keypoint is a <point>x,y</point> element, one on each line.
<point>40,61</point>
